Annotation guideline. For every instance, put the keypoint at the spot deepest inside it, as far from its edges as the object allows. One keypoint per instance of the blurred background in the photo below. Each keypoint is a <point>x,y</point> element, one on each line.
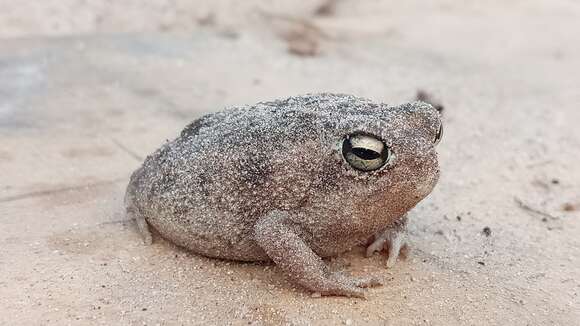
<point>89,88</point>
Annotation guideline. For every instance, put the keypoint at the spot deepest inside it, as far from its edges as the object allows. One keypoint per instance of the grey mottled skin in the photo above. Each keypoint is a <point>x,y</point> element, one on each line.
<point>269,182</point>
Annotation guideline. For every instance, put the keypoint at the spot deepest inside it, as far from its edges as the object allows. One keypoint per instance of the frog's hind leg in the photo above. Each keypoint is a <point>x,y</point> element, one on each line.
<point>133,213</point>
<point>281,239</point>
<point>143,229</point>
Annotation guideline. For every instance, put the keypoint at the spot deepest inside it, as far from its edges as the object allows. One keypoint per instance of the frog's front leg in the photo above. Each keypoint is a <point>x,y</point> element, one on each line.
<point>280,238</point>
<point>394,238</point>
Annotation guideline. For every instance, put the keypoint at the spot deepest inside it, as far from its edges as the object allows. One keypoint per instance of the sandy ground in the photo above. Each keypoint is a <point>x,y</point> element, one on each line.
<point>80,108</point>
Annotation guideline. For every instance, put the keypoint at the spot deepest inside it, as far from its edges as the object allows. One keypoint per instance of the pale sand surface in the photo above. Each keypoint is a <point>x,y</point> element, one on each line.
<point>81,96</point>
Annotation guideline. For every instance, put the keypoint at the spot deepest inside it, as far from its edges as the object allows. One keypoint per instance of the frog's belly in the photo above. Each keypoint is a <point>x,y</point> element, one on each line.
<point>230,236</point>
<point>213,235</point>
<point>334,246</point>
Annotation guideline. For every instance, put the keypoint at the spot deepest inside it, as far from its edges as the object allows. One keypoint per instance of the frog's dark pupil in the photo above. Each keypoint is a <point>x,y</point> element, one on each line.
<point>365,154</point>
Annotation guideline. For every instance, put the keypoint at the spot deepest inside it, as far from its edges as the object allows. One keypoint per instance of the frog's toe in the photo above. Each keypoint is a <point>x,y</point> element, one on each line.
<point>144,230</point>
<point>396,246</point>
<point>346,291</point>
<point>376,246</point>
<point>350,286</point>
<point>368,282</point>
<point>393,241</point>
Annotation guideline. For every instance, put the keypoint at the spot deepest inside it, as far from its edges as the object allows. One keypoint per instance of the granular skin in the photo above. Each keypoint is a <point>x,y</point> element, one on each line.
<point>291,181</point>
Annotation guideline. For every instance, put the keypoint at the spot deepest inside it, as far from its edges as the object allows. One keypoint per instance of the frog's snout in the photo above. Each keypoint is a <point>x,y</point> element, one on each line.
<point>425,187</point>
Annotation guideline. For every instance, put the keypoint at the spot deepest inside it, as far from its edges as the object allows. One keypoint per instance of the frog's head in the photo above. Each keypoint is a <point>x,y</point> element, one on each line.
<point>334,148</point>
<point>388,154</point>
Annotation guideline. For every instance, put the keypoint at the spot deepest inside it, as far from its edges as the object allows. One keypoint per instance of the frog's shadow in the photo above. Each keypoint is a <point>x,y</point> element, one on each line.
<point>265,273</point>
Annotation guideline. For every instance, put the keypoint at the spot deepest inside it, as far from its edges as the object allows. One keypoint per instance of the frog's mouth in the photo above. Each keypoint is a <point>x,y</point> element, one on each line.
<point>413,191</point>
<point>424,188</point>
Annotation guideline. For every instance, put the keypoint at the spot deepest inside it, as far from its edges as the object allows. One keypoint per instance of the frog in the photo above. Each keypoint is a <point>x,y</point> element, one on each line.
<point>292,181</point>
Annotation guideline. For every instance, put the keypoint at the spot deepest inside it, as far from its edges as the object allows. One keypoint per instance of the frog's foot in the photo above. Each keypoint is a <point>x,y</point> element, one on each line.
<point>339,283</point>
<point>391,239</point>
<point>144,229</point>
<point>281,239</point>
<point>368,282</point>
<point>142,225</point>
<point>133,213</point>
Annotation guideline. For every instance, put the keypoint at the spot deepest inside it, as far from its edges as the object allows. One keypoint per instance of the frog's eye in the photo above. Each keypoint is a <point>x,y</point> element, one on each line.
<point>439,134</point>
<point>364,152</point>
